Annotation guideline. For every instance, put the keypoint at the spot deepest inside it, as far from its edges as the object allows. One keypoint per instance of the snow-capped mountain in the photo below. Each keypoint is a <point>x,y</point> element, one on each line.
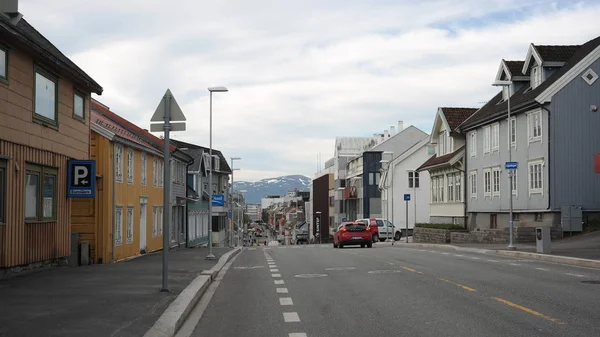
<point>272,186</point>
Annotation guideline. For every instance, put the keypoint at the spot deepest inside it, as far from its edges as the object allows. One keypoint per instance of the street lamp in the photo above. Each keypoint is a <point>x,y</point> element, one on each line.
<point>231,204</point>
<point>507,85</point>
<point>210,255</point>
<point>242,216</point>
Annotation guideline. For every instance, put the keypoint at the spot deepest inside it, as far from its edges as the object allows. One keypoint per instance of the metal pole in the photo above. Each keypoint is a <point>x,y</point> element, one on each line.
<point>210,255</point>
<point>167,196</point>
<point>230,236</point>
<point>511,246</point>
<point>407,217</point>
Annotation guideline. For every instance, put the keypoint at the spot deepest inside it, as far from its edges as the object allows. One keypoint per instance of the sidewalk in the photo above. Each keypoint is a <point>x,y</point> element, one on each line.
<point>118,299</point>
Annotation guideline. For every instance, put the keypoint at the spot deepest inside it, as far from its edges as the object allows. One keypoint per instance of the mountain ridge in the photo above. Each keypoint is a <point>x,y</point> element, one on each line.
<point>256,190</point>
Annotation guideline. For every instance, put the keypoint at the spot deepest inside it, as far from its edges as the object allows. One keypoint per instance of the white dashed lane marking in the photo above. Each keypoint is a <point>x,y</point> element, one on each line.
<point>576,275</point>
<point>286,301</point>
<point>493,261</point>
<point>279,282</point>
<point>515,264</point>
<point>543,269</point>
<point>445,253</point>
<point>297,334</point>
<point>282,290</point>
<point>274,270</point>
<point>290,317</point>
<point>276,275</point>
<point>458,255</point>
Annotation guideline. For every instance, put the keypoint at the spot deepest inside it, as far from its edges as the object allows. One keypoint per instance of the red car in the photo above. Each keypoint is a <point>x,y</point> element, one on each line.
<point>352,233</point>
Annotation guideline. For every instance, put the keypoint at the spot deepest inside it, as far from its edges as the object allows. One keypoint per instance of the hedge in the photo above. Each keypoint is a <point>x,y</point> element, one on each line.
<point>440,226</point>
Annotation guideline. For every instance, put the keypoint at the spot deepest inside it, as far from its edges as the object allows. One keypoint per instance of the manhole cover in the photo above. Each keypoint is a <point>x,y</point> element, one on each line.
<point>385,271</point>
<point>341,268</point>
<point>591,282</point>
<point>310,275</point>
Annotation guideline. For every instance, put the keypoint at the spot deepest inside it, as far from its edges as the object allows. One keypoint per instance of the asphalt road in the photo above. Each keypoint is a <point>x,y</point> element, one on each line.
<point>316,290</point>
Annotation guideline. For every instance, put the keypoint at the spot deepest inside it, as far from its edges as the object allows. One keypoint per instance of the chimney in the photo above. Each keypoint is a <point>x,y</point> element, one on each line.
<point>400,126</point>
<point>386,134</point>
<point>392,131</point>
<point>9,6</point>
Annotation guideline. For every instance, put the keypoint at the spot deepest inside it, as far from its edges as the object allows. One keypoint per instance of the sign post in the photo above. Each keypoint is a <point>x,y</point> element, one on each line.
<point>168,111</point>
<point>81,179</point>
<point>407,199</point>
<point>511,166</point>
<point>318,224</point>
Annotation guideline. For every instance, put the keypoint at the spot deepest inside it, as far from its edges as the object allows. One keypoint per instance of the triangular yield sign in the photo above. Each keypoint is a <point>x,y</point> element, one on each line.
<point>175,111</point>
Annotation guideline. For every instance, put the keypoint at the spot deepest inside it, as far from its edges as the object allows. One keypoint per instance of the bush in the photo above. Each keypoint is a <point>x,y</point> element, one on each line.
<point>440,226</point>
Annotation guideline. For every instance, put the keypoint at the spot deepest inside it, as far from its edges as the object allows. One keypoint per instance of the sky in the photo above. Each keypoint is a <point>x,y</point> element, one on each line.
<point>300,73</point>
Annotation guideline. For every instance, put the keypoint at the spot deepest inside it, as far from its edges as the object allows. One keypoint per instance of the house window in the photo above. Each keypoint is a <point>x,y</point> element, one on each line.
<point>217,163</point>
<point>442,141</point>
<point>118,236</point>
<point>371,178</point>
<point>437,189</point>
<point>450,180</point>
<point>413,179</point>
<point>161,173</point>
<point>512,124</point>
<point>78,105</point>
<point>514,182</point>
<point>173,171</point>
<point>155,172</point>
<point>377,177</point>
<point>129,236</point>
<point>495,137</point>
<point>119,163</point>
<point>45,108</point>
<point>487,183</point>
<point>496,182</point>
<point>433,189</point>
<point>536,77</point>
<point>331,201</point>
<point>40,193</point>
<point>130,166</point>
<point>486,139</point>
<point>473,138</point>
<point>2,190</point>
<point>144,169</point>
<point>457,187</point>
<point>3,64</point>
<point>473,177</point>
<point>534,120</point>
<point>155,221</point>
<point>535,177</point>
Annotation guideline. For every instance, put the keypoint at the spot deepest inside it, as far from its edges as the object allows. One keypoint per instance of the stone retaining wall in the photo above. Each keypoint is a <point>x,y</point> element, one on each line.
<point>521,235</point>
<point>431,235</point>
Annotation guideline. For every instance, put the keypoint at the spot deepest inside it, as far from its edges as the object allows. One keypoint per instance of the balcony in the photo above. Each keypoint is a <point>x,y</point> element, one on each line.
<point>350,192</point>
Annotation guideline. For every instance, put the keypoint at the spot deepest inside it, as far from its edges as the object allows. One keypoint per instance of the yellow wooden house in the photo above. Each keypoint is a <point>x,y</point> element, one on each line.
<point>126,216</point>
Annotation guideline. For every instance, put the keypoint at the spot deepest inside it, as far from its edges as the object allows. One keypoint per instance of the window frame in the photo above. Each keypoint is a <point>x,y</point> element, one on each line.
<point>496,175</point>
<point>83,97</point>
<point>495,137</point>
<point>512,133</point>
<point>3,189</point>
<point>487,188</point>
<point>458,187</point>
<point>154,171</point>
<point>129,224</point>
<point>144,168</point>
<point>540,189</point>
<point>38,118</point>
<point>118,162</point>
<point>515,182</point>
<point>450,186</point>
<point>42,171</point>
<point>473,139</point>
<point>413,179</point>
<point>473,182</point>
<point>4,78</point>
<point>487,131</point>
<point>118,240</point>
<point>531,127</point>
<point>130,166</point>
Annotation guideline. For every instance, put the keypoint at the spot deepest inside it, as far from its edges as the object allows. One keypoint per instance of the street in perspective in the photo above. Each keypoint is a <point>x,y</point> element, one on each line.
<point>299,169</point>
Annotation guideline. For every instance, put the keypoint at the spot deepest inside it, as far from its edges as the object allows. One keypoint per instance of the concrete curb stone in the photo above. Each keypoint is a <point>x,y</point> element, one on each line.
<point>177,312</point>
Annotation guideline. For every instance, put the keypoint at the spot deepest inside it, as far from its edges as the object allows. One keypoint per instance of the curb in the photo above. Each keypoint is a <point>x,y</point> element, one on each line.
<point>574,261</point>
<point>177,312</point>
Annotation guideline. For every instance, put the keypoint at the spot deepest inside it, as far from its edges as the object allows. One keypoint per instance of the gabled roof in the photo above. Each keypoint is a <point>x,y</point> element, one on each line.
<point>455,116</point>
<point>548,54</point>
<point>525,97</point>
<point>36,43</point>
<point>99,119</point>
<point>196,152</point>
<point>447,159</point>
<point>512,69</point>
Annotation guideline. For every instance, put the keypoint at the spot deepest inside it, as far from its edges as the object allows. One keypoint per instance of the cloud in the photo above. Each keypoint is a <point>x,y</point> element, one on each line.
<point>301,73</point>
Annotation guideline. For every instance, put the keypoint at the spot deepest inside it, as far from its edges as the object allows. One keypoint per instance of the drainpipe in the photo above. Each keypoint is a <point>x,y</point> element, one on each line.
<point>548,155</point>
<point>112,204</point>
<point>464,186</point>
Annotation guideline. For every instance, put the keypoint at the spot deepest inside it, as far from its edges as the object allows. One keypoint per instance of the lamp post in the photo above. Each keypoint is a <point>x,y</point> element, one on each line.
<point>243,225</point>
<point>210,255</point>
<point>507,85</point>
<point>230,237</point>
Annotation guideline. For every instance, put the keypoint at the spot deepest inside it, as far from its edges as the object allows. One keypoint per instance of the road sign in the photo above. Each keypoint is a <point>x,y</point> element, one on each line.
<point>81,178</point>
<point>229,214</point>
<point>218,200</point>
<point>174,112</point>
<point>159,127</point>
<point>407,197</point>
<point>344,219</point>
<point>511,165</point>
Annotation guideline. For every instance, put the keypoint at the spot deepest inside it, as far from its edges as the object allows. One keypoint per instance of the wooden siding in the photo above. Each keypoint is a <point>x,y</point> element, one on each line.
<point>24,243</point>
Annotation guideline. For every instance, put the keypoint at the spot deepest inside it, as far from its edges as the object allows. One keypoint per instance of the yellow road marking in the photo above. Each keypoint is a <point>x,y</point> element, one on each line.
<point>533,312</point>
<point>459,285</point>
<point>412,270</point>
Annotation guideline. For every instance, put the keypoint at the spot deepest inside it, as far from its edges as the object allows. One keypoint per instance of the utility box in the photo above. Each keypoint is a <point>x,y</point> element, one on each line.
<point>542,239</point>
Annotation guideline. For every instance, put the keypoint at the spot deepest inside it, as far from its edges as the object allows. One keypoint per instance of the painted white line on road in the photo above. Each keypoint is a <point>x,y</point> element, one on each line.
<point>515,264</point>
<point>445,253</point>
<point>576,275</point>
<point>282,290</point>
<point>276,275</point>
<point>432,251</point>
<point>286,301</point>
<point>341,268</point>
<point>251,248</point>
<point>493,261</point>
<point>297,334</point>
<point>422,250</point>
<point>474,258</point>
<point>274,270</point>
<point>270,262</point>
<point>279,282</point>
<point>290,317</point>
<point>543,269</point>
<point>458,255</point>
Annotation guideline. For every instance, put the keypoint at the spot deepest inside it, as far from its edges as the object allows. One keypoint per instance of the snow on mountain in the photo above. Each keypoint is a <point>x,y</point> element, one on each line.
<point>272,186</point>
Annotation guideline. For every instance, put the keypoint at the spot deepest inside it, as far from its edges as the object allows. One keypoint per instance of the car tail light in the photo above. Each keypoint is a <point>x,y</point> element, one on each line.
<point>343,229</point>
<point>368,229</point>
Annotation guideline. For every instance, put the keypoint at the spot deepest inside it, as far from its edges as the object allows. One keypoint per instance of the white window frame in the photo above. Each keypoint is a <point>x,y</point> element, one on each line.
<point>155,221</point>
<point>515,182</point>
<point>161,174</point>
<point>486,139</point>
<point>530,183</point>
<point>512,134</point>
<point>495,137</point>
<point>536,76</point>
<point>450,185</point>
<point>473,180</point>
<point>118,234</point>
<point>442,143</point>
<point>144,165</point>
<point>531,127</point>
<point>155,172</point>
<point>414,181</point>
<point>458,193</point>
<point>173,171</point>
<point>217,161</point>
<point>496,181</point>
<point>119,163</point>
<point>129,219</point>
<point>473,139</point>
<point>130,161</point>
<point>487,182</point>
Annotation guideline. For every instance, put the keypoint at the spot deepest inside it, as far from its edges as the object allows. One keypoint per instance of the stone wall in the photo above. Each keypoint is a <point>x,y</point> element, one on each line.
<point>431,235</point>
<point>521,235</point>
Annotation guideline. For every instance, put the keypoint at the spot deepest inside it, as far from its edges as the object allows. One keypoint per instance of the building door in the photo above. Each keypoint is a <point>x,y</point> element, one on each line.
<point>143,204</point>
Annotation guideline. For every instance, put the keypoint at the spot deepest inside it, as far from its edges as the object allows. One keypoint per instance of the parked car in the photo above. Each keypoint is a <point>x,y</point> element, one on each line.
<point>352,233</point>
<point>385,229</point>
<point>373,227</point>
